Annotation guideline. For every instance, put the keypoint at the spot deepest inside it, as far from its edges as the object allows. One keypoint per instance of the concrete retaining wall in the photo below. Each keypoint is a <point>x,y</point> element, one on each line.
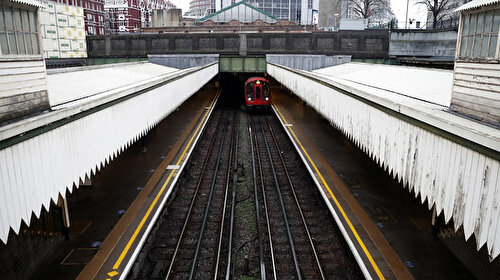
<point>308,62</point>
<point>423,43</point>
<point>183,61</point>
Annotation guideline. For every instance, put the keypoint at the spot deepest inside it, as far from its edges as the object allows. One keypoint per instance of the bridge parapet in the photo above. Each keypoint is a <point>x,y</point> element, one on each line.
<point>307,62</point>
<point>451,162</point>
<point>183,61</point>
<point>359,44</point>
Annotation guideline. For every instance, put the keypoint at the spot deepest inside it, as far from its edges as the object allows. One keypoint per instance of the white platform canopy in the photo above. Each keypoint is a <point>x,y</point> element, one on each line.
<point>399,117</point>
<point>97,113</point>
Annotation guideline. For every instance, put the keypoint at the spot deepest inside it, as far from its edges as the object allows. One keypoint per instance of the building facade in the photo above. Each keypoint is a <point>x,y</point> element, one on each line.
<point>297,11</point>
<point>381,15</point>
<point>95,17</point>
<point>23,85</point>
<point>329,14</point>
<point>200,8</point>
<point>123,16</point>
<point>63,30</point>
<point>93,11</point>
<point>166,18</point>
<point>476,86</point>
<point>147,7</point>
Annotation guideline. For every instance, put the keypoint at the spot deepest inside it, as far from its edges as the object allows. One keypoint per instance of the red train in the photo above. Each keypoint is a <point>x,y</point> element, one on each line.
<point>257,92</point>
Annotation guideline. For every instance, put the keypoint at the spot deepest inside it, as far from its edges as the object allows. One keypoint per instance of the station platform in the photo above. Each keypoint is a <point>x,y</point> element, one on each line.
<point>106,215</point>
<point>393,235</point>
<point>117,253</point>
<point>389,227</point>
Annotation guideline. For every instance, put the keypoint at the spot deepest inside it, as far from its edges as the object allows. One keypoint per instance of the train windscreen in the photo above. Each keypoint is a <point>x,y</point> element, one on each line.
<point>258,92</point>
<point>250,91</point>
<point>265,91</point>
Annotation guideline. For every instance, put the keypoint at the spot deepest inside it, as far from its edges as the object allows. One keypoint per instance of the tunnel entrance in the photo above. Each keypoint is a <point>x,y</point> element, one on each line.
<point>242,64</point>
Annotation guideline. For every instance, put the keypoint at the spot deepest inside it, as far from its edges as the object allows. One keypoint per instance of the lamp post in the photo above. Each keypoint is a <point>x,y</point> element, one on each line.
<point>336,22</point>
<point>406,20</point>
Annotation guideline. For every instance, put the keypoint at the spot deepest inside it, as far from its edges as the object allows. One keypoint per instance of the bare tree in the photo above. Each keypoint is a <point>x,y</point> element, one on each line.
<point>437,8</point>
<point>367,8</point>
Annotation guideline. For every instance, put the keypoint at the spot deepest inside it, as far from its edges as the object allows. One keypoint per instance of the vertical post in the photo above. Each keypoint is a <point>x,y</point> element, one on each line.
<point>406,20</point>
<point>312,20</point>
<point>63,203</point>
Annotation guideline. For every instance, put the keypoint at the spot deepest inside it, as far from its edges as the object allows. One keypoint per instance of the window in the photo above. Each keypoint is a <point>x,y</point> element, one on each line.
<point>250,92</point>
<point>18,31</point>
<point>258,90</point>
<point>265,91</point>
<point>479,38</point>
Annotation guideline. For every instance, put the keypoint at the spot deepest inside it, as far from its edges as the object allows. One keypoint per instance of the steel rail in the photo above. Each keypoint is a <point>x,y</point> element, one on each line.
<point>266,209</point>
<point>233,205</point>
<point>207,206</point>
<point>292,188</point>
<point>282,205</point>
<point>226,194</point>
<point>262,264</point>
<point>188,216</point>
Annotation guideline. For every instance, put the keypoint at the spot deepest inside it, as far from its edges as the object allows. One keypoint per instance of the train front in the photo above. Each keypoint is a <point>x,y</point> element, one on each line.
<point>257,92</point>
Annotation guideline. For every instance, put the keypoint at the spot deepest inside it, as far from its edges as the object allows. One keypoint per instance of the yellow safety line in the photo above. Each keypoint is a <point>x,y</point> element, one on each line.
<point>141,224</point>
<point>365,250</point>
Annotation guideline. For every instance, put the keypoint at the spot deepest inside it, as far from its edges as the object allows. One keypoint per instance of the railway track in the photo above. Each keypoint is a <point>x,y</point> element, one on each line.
<point>192,238</point>
<point>204,233</point>
<point>292,238</point>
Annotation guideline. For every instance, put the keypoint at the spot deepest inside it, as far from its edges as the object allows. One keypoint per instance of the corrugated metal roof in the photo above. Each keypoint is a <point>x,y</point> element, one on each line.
<point>35,3</point>
<point>119,126</point>
<point>95,82</point>
<point>476,4</point>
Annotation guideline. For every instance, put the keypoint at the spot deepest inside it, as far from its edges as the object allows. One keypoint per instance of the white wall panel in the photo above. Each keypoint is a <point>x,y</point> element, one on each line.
<point>461,182</point>
<point>37,170</point>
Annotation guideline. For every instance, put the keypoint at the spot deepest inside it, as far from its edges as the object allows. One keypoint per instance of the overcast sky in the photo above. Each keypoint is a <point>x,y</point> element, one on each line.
<point>417,12</point>
<point>183,4</point>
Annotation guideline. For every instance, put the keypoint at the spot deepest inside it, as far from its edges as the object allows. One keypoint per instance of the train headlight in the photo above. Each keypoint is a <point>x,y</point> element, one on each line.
<point>249,99</point>
<point>267,98</point>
